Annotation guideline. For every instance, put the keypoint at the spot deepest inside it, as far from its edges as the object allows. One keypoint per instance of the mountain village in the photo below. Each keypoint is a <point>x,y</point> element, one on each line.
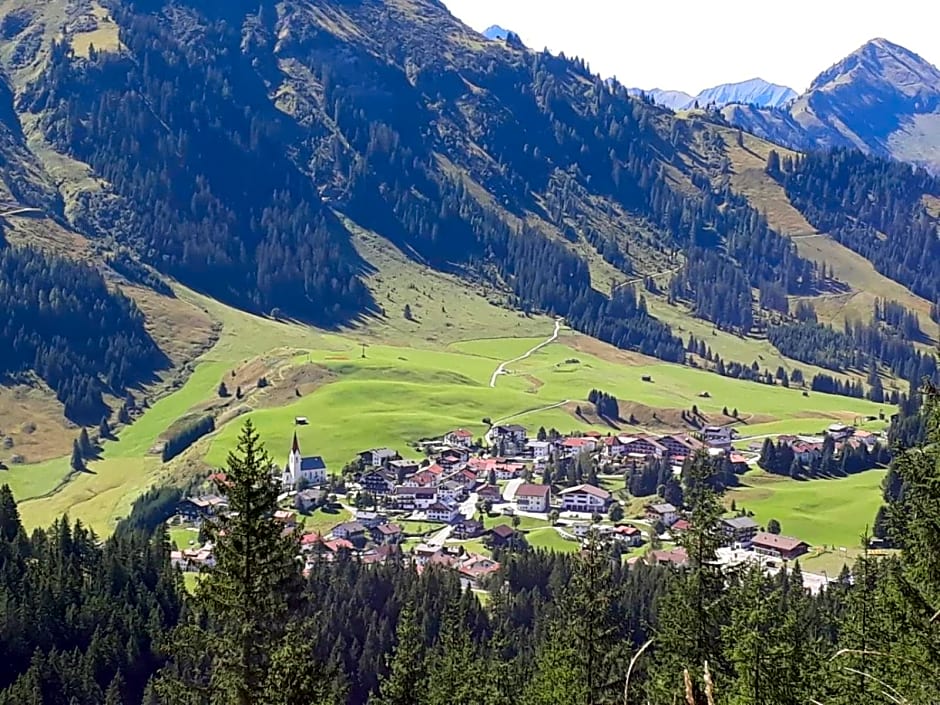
<point>471,498</point>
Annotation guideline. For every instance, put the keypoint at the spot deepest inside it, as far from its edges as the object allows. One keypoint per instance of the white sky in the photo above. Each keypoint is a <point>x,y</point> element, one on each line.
<point>694,44</point>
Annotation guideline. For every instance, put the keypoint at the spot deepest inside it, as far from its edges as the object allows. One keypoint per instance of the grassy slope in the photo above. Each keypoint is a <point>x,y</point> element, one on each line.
<point>831,512</point>
<point>765,194</point>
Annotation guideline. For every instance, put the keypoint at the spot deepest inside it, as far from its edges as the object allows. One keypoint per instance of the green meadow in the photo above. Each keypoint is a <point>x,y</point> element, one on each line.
<point>396,395</point>
<point>823,512</point>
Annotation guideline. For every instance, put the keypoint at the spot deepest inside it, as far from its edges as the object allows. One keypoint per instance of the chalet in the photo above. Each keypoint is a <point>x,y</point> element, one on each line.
<point>719,436</point>
<point>382,554</point>
<point>310,498</point>
<point>509,471</point>
<point>286,517</point>
<point>612,446</point>
<point>424,478</point>
<point>451,490</point>
<point>468,529</point>
<point>673,556</point>
<point>785,547</point>
<point>302,472</point>
<point>490,492</point>
<point>582,530</point>
<point>403,468</point>
<point>460,438</point>
<point>310,542</point>
<point>511,439</point>
<point>452,457</point>
<point>533,498</point>
<point>664,512</point>
<point>443,511</point>
<point>739,530</point>
<point>377,482</point>
<point>466,477</point>
<point>642,447</point>
<point>839,432</point>
<point>415,497</point>
<point>195,508</point>
<point>387,533</point>
<point>502,535</point>
<point>475,568</point>
<point>629,535</point>
<point>193,559</point>
<point>539,450</point>
<point>680,526</point>
<point>585,498</point>
<point>377,457</point>
<point>348,530</point>
<point>574,446</point>
<point>680,446</point>
<point>370,520</point>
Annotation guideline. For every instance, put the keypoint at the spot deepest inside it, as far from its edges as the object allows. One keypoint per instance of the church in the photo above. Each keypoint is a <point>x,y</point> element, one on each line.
<point>303,472</point>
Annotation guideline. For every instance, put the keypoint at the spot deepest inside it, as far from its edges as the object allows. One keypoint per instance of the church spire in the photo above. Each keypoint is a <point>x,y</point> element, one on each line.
<point>296,447</point>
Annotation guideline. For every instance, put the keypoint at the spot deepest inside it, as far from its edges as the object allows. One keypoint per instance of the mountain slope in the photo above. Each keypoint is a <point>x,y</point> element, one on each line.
<point>882,99</point>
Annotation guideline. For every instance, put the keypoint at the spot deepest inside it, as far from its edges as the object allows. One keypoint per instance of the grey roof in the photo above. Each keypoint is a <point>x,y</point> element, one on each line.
<point>740,523</point>
<point>665,508</point>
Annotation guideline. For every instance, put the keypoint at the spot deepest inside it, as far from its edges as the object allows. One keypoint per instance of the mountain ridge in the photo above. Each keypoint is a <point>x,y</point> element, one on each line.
<point>754,91</point>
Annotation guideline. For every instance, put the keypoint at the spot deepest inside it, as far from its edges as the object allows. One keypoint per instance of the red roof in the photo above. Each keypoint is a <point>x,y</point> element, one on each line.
<point>680,525</point>
<point>738,458</point>
<point>530,490</point>
<point>337,544</point>
<point>593,434</point>
<point>626,530</point>
<point>503,531</point>
<point>575,442</point>
<point>436,469</point>
<point>461,433</point>
<point>309,539</point>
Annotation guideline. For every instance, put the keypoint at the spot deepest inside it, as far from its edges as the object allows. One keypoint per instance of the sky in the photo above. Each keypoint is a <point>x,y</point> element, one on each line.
<point>690,45</point>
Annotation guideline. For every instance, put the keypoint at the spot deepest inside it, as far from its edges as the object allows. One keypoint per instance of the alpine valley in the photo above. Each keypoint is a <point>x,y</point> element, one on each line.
<point>357,211</point>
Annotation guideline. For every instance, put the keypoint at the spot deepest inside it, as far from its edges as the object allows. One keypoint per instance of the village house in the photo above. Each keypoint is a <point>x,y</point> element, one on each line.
<point>664,512</point>
<point>629,535</point>
<point>302,472</point>
<point>451,490</point>
<point>286,517</point>
<point>475,568</point>
<point>642,447</point>
<point>193,559</point>
<point>370,520</point>
<point>539,450</point>
<point>387,534</point>
<point>348,530</point>
<point>403,468</point>
<point>785,547</point>
<point>377,457</point>
<point>308,499</point>
<point>452,457</point>
<point>501,535</point>
<point>508,471</point>
<point>460,438</point>
<point>680,526</point>
<point>423,553</point>
<point>510,440</point>
<point>676,557</point>
<point>585,498</point>
<point>490,492</point>
<point>415,497</point>
<point>428,477</point>
<point>468,529</point>
<point>612,446</point>
<point>840,432</point>
<point>571,447</point>
<point>719,436</point>
<point>533,498</point>
<point>377,482</point>
<point>680,446</point>
<point>443,511</point>
<point>739,530</point>
<point>466,477</point>
<point>196,508</point>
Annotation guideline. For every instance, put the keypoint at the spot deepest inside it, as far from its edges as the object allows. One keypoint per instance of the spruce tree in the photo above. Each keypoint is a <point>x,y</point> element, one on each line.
<point>246,596</point>
<point>104,428</point>
<point>405,680</point>
<point>78,461</point>
<point>84,444</point>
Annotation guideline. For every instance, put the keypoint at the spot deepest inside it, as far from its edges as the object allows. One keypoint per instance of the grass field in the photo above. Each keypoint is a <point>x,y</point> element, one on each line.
<point>549,539</point>
<point>830,512</point>
<point>322,520</point>
<point>525,523</point>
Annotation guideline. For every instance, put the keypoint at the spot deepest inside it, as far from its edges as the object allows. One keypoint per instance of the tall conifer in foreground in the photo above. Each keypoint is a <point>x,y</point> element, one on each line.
<point>229,651</point>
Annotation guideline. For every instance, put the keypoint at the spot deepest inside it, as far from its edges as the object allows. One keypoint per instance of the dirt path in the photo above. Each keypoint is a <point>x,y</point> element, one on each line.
<point>497,422</point>
<point>502,366</point>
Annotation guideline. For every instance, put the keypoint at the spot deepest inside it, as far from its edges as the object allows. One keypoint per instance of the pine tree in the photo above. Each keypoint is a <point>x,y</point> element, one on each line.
<point>404,681</point>
<point>84,444</point>
<point>78,461</point>
<point>693,610</point>
<point>104,428</point>
<point>247,593</point>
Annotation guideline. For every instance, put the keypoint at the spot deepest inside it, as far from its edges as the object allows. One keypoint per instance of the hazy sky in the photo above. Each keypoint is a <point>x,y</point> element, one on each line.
<point>692,44</point>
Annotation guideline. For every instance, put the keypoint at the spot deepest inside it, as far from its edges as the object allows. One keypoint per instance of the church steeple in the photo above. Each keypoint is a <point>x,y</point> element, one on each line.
<point>295,448</point>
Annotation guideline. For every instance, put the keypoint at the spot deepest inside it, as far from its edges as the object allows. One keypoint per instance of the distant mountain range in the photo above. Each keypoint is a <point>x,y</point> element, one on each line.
<point>497,33</point>
<point>882,99</point>
<point>755,91</point>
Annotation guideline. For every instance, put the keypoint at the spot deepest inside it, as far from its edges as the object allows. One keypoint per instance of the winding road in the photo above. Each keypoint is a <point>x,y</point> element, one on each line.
<point>502,366</point>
